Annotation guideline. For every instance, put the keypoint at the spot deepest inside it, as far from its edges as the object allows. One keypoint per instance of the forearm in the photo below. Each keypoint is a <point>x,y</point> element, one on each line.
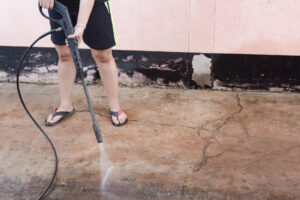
<point>85,10</point>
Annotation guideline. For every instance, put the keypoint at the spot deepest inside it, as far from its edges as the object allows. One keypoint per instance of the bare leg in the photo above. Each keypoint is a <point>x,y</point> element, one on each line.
<point>109,76</point>
<point>66,78</point>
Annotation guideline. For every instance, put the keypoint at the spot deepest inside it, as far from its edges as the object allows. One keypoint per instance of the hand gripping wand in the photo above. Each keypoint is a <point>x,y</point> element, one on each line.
<point>67,27</point>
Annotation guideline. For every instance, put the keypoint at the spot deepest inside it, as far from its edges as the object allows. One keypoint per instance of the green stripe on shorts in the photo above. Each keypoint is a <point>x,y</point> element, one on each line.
<point>107,4</point>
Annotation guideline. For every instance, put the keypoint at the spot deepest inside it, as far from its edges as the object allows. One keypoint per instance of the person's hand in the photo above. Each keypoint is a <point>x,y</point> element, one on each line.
<point>47,4</point>
<point>78,33</point>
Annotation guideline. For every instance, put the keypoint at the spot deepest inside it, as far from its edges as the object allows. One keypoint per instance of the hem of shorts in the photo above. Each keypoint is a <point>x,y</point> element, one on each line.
<point>58,43</point>
<point>102,48</point>
<point>90,46</point>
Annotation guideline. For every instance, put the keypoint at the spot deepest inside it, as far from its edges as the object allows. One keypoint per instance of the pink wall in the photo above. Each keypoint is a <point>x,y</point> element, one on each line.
<point>21,23</point>
<point>152,25</point>
<point>206,26</point>
<point>201,27</point>
<point>258,26</point>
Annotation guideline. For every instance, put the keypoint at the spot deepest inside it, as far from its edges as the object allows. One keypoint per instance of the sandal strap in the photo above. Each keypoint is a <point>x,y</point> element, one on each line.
<point>116,114</point>
<point>61,113</point>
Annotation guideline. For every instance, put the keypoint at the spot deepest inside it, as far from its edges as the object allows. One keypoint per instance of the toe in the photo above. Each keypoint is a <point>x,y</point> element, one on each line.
<point>55,119</point>
<point>122,117</point>
<point>49,118</point>
<point>115,120</point>
<point>52,120</point>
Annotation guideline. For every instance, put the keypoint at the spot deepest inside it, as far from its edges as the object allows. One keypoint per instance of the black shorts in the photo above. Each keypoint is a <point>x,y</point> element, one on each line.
<point>99,33</point>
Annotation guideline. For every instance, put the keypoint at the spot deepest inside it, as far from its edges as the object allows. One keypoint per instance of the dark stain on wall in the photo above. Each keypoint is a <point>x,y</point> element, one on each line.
<point>171,67</point>
<point>228,70</point>
<point>256,71</point>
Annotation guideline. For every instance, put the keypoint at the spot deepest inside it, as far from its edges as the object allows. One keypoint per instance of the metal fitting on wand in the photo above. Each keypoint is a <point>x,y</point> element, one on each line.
<point>97,133</point>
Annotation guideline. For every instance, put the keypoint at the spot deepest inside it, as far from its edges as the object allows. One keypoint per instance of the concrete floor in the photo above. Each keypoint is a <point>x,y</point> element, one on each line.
<point>178,144</point>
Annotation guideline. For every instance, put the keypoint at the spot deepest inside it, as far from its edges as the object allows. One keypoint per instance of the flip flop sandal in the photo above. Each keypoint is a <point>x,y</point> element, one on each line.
<point>117,114</point>
<point>63,114</point>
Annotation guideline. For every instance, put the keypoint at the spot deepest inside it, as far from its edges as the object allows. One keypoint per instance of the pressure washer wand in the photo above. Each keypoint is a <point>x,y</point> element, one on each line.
<point>66,24</point>
<point>75,54</point>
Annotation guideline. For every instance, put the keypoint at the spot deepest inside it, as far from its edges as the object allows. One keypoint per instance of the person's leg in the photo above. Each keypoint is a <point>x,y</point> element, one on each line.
<point>109,76</point>
<point>66,78</point>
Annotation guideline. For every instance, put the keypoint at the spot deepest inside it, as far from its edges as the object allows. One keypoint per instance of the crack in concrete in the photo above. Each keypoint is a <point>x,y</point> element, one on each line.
<point>235,116</point>
<point>245,127</point>
<point>143,121</point>
<point>203,161</point>
<point>163,124</point>
<point>214,133</point>
<point>224,121</point>
<point>205,158</point>
<point>241,122</point>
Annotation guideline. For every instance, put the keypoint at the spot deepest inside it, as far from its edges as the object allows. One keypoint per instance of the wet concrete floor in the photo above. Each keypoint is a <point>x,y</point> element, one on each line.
<point>178,144</point>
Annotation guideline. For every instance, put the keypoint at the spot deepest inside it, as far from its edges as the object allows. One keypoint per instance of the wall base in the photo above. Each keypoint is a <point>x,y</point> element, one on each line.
<point>183,70</point>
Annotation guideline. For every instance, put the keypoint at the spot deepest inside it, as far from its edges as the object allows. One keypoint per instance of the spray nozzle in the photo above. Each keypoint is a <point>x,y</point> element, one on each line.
<point>97,133</point>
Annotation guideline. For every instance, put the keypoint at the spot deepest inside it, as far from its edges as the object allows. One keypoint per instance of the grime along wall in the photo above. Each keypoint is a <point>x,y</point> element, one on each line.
<point>250,44</point>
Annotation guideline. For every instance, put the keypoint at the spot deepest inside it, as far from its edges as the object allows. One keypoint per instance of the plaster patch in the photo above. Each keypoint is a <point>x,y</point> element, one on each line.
<point>30,78</point>
<point>136,79</point>
<point>52,68</point>
<point>90,74</point>
<point>48,78</point>
<point>3,76</point>
<point>40,70</point>
<point>202,70</point>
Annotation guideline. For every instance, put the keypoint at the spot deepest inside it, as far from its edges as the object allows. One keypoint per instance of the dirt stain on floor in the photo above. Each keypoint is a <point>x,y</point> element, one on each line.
<point>178,144</point>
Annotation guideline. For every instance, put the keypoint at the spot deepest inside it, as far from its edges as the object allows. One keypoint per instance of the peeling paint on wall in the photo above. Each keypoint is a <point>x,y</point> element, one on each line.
<point>184,70</point>
<point>135,68</point>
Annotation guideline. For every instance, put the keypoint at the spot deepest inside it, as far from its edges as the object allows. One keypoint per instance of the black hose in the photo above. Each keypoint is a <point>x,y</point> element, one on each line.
<point>45,191</point>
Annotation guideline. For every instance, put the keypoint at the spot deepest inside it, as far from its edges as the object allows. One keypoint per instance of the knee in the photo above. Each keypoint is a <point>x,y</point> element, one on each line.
<point>64,56</point>
<point>102,56</point>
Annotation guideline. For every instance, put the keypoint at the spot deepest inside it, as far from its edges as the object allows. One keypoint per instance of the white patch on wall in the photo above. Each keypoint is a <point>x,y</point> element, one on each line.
<point>37,75</point>
<point>3,76</point>
<point>202,70</point>
<point>139,79</point>
<point>53,68</point>
<point>40,70</point>
<point>90,72</point>
<point>136,80</point>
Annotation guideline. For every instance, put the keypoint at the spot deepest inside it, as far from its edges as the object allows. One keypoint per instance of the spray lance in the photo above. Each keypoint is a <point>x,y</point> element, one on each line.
<point>66,26</point>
